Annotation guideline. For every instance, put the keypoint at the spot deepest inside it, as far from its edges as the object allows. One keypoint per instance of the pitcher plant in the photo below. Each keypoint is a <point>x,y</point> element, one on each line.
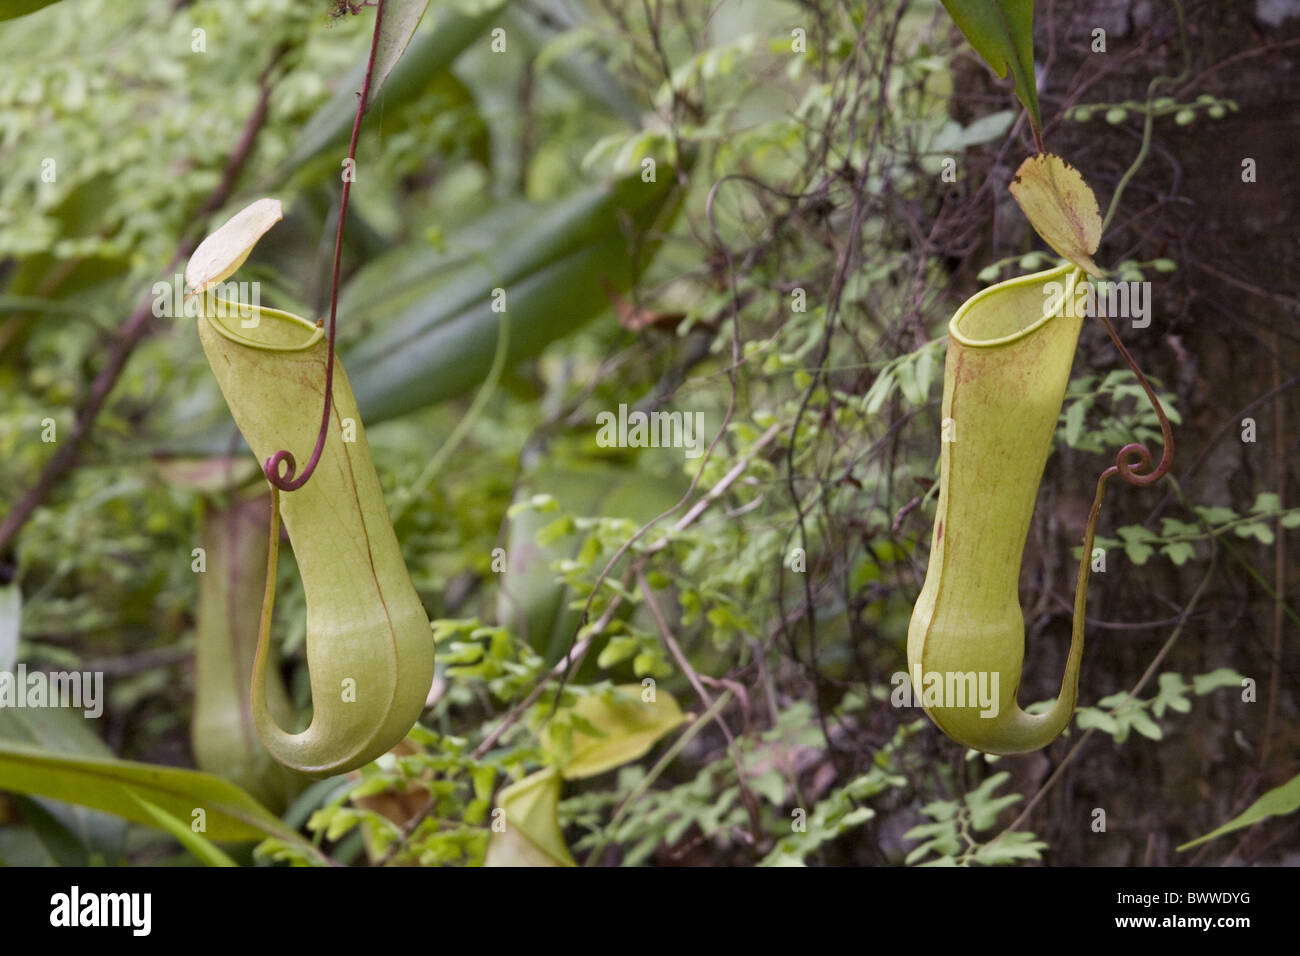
<point>1010,349</point>
<point>370,648</point>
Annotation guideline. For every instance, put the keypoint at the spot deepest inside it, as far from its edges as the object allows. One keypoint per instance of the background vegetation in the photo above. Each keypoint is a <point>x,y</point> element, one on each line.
<point>789,273</point>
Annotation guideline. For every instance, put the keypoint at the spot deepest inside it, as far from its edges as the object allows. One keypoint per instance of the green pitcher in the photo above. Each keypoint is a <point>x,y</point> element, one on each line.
<point>369,645</point>
<point>1009,355</point>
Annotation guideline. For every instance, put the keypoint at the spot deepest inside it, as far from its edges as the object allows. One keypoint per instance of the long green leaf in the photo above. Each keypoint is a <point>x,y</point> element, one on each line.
<point>203,849</point>
<point>1002,32</point>
<point>556,275</point>
<point>1278,802</point>
<point>106,784</point>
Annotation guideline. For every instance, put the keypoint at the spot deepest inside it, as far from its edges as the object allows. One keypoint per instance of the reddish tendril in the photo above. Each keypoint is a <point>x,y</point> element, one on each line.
<point>289,481</point>
<point>1133,462</point>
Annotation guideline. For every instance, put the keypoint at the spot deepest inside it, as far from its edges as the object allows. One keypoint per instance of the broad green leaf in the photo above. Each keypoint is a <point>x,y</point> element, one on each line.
<point>630,727</point>
<point>1266,502</point>
<point>983,806</point>
<point>224,250</point>
<point>1278,802</point>
<point>1092,717</point>
<point>1138,552</point>
<point>1255,529</point>
<point>532,834</point>
<point>880,391</point>
<point>1061,208</point>
<point>925,371</point>
<point>1173,528</point>
<point>1144,725</point>
<point>943,840</point>
<point>941,809</point>
<point>952,137</point>
<point>203,849</point>
<point>403,276</point>
<point>48,840</point>
<point>907,383</point>
<point>108,785</point>
<point>1002,32</point>
<point>1215,514</point>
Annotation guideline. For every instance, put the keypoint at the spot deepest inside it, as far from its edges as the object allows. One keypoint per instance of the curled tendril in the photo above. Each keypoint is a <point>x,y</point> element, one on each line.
<point>1133,461</point>
<point>289,480</point>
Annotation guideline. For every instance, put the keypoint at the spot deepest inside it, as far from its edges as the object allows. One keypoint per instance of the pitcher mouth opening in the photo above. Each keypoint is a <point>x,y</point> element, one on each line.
<point>1024,304</point>
<point>260,327</point>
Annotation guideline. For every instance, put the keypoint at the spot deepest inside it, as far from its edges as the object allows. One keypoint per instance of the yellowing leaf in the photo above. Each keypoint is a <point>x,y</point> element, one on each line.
<point>1061,208</point>
<point>225,250</point>
<point>630,727</point>
<point>532,827</point>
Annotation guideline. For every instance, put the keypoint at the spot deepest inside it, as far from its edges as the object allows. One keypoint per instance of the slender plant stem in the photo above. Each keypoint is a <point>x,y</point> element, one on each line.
<point>1279,557</point>
<point>1150,118</point>
<point>288,479</point>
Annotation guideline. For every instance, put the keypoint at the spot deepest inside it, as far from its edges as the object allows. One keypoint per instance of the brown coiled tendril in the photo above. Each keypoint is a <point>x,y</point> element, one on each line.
<point>1132,463</point>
